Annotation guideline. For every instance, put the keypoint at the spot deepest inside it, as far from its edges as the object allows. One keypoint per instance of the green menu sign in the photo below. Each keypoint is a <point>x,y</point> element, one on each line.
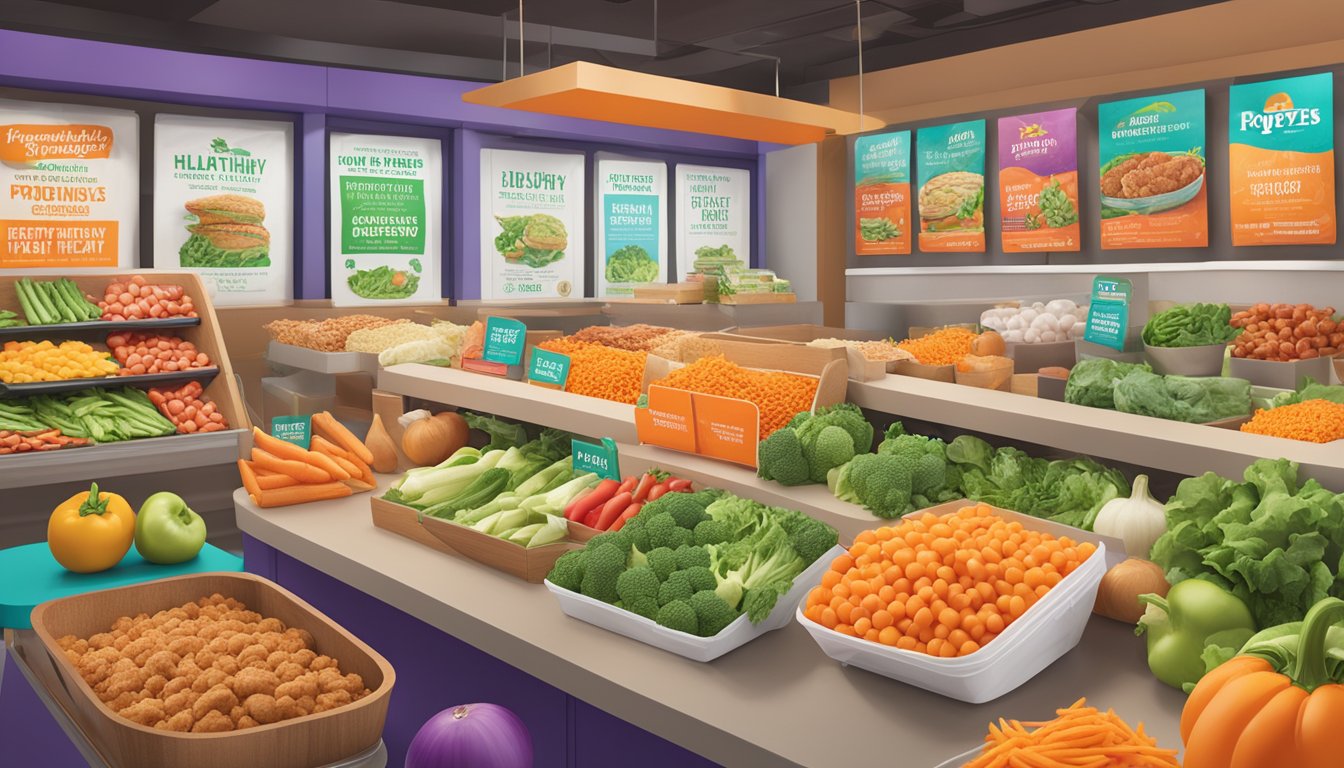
<point>601,458</point>
<point>505,339</point>
<point>1108,314</point>
<point>293,429</point>
<point>548,367</point>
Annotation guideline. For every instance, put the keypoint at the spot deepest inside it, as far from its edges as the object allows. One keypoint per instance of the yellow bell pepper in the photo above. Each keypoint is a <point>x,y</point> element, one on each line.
<point>91,531</point>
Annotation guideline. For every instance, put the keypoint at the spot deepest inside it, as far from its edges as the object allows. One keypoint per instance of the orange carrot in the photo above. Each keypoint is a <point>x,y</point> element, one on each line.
<point>351,469</point>
<point>279,448</point>
<point>260,473</point>
<point>249,478</point>
<point>359,486</point>
<point>300,494</point>
<point>323,445</point>
<point>328,465</point>
<point>271,482</point>
<point>327,426</point>
<point>1079,736</point>
<point>304,473</point>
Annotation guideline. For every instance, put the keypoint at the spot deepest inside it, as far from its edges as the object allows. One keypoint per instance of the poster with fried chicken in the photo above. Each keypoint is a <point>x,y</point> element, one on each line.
<point>1038,181</point>
<point>1281,161</point>
<point>951,170</point>
<point>1153,192</point>
<point>385,220</point>
<point>69,187</point>
<point>532,216</point>
<point>223,205</point>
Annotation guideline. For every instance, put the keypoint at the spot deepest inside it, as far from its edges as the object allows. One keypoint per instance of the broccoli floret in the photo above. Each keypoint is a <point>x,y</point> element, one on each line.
<point>677,587</point>
<point>780,458</point>
<point>567,573</point>
<point>685,509</point>
<point>881,482</point>
<point>848,417</point>
<point>648,608</point>
<point>701,578</point>
<point>929,474</point>
<point>664,532</point>
<point>679,615</point>
<point>809,537</point>
<point>712,532</point>
<point>690,556</point>
<point>620,539</point>
<point>743,516</point>
<point>711,612</point>
<point>772,562</point>
<point>637,584</point>
<point>604,565</point>
<point>827,449</point>
<point>663,561</point>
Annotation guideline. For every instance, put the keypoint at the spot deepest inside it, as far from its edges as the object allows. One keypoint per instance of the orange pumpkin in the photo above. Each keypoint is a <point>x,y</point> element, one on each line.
<point>1270,706</point>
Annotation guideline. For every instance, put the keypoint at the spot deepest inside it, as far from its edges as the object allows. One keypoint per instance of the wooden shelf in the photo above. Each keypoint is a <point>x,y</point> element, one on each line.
<point>126,458</point>
<point>590,416</point>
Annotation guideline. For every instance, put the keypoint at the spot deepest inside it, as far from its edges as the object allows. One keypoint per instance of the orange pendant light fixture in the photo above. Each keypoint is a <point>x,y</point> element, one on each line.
<point>596,92</point>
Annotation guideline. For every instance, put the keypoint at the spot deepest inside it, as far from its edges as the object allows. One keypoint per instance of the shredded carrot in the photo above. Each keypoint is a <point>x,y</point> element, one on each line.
<point>598,371</point>
<point>945,346</point>
<point>1316,421</point>
<point>1080,737</point>
<point>779,396</point>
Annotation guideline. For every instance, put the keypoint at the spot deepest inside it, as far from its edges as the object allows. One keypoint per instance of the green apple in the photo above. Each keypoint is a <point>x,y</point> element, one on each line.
<point>167,531</point>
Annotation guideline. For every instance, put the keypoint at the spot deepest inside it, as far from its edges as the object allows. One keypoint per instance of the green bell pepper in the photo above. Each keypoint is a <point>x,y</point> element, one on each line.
<point>1194,615</point>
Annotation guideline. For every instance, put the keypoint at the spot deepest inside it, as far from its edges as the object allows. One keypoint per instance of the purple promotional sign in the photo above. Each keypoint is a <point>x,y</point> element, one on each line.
<point>1038,181</point>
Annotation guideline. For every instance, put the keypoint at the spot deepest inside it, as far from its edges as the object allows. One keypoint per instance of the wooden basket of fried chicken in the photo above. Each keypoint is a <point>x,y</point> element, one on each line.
<point>214,670</point>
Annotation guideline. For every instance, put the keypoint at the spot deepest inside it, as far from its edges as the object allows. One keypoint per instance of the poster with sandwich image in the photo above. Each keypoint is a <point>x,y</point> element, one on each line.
<point>1038,181</point>
<point>1153,191</point>
<point>1281,161</point>
<point>713,215</point>
<point>385,240</point>
<point>631,210</point>
<point>882,194</point>
<point>951,170</point>
<point>532,209</point>
<point>223,205</point>
<point>69,187</point>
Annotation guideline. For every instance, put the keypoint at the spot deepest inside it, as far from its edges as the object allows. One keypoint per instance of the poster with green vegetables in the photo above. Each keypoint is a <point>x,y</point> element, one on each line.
<point>631,229</point>
<point>386,219</point>
<point>532,217</point>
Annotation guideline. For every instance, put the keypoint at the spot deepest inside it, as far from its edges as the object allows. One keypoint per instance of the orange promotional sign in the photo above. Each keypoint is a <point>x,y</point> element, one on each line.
<point>83,243</point>
<point>718,427</point>
<point>26,143</point>
<point>1153,187</point>
<point>882,194</point>
<point>1281,161</point>
<point>1038,181</point>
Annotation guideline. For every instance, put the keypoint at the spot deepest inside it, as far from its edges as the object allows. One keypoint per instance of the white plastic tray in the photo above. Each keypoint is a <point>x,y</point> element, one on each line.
<point>735,635</point>
<point>1048,630</point>
<point>962,759</point>
<point>321,362</point>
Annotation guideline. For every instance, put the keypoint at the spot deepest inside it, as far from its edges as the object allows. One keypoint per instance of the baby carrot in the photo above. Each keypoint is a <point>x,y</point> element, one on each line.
<point>304,473</point>
<point>300,494</point>
<point>327,426</point>
<point>271,482</point>
<point>249,478</point>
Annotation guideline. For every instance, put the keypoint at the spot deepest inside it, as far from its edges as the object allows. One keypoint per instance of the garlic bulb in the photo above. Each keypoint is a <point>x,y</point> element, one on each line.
<point>1138,520</point>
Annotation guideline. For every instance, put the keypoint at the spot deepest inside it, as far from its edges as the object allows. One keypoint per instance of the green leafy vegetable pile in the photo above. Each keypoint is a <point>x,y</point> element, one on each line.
<point>1269,540</point>
<point>1198,399</point>
<point>1312,390</point>
<point>631,264</point>
<point>1190,325</point>
<point>694,562</point>
<point>199,252</point>
<point>1092,381</point>
<point>811,445</point>
<point>878,230</point>
<point>101,415</point>
<point>383,283</point>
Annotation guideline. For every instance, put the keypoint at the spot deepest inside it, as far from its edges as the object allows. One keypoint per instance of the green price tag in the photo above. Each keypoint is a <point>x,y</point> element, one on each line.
<point>597,457</point>
<point>504,340</point>
<point>1108,314</point>
<point>549,367</point>
<point>293,429</point>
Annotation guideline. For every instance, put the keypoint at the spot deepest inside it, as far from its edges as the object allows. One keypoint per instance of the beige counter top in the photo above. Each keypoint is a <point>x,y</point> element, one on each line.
<point>776,701</point>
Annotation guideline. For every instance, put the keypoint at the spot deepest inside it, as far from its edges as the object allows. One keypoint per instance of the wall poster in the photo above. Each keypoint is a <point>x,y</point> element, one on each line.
<point>951,172</point>
<point>882,194</point>
<point>532,210</point>
<point>713,214</point>
<point>631,224</point>
<point>1038,181</point>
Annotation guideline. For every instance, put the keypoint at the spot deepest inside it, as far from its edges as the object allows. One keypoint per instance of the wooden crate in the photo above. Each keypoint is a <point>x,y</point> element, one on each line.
<point>580,532</point>
<point>528,564</point>
<point>223,390</point>
<point>405,521</point>
<point>667,293</point>
<point>318,739</point>
<point>758,298</point>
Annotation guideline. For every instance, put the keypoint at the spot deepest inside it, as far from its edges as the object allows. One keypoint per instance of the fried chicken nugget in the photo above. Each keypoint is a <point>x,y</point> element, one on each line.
<point>145,712</point>
<point>180,722</point>
<point>218,699</point>
<point>213,722</point>
<point>252,681</point>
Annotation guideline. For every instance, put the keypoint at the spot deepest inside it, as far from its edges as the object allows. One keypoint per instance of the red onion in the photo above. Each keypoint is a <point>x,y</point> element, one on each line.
<point>471,736</point>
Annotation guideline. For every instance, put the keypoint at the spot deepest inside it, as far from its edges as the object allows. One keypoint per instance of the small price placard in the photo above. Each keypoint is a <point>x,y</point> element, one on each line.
<point>293,429</point>
<point>597,457</point>
<point>505,340</point>
<point>548,367</point>
<point>1108,314</point>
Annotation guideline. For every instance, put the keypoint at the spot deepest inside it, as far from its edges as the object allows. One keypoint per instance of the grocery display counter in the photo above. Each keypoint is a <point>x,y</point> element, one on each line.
<point>764,704</point>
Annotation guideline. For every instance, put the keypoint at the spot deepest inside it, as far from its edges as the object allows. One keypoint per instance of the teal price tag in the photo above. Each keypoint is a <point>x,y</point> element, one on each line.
<point>549,367</point>
<point>1108,313</point>
<point>293,429</point>
<point>597,457</point>
<point>504,340</point>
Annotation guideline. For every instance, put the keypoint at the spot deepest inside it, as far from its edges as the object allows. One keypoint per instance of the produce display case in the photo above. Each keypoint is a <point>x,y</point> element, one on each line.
<point>527,563</point>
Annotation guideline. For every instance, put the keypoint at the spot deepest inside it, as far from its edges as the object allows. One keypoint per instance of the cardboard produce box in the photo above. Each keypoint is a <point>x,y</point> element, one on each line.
<point>860,367</point>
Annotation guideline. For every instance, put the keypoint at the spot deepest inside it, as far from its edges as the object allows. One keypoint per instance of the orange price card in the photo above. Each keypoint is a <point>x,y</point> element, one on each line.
<point>669,421</point>
<point>727,428</point>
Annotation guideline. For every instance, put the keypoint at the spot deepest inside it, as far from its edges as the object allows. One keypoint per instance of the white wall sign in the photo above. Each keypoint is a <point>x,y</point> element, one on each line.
<point>631,228</point>
<point>224,205</point>
<point>713,213</point>
<point>531,225</point>
<point>69,187</point>
<point>385,219</point>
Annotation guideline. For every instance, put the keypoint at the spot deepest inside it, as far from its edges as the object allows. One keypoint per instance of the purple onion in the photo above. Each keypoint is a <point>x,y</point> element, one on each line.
<point>471,736</point>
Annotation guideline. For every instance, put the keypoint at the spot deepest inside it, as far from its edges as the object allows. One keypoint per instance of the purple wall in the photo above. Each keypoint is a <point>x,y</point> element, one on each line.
<point>319,98</point>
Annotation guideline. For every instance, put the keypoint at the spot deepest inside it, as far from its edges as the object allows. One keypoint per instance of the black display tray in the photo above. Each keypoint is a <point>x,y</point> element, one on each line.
<point>203,375</point>
<point>30,332</point>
